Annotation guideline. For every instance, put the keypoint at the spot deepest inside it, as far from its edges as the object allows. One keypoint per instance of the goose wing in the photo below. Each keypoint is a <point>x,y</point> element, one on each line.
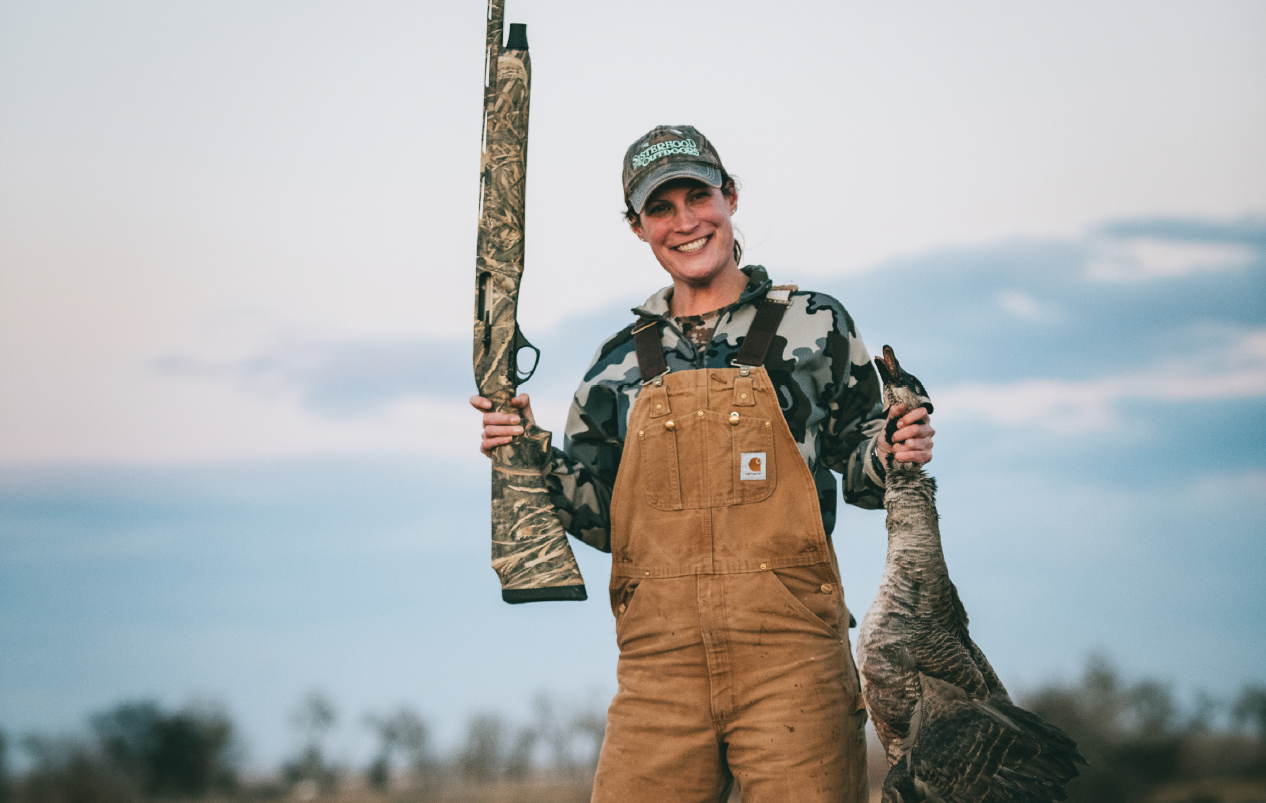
<point>942,648</point>
<point>985,751</point>
<point>923,634</point>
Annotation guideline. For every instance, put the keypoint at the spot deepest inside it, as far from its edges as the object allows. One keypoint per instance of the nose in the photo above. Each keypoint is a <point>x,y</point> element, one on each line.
<point>686,218</point>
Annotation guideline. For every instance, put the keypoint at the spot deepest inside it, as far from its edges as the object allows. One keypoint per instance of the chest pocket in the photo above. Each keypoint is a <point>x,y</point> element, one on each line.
<point>696,456</point>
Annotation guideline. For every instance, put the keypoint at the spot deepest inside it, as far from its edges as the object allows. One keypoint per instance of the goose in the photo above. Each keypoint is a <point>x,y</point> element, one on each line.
<point>947,725</point>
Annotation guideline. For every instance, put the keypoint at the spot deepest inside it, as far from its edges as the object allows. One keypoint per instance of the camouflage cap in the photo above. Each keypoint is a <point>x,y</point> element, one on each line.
<point>664,153</point>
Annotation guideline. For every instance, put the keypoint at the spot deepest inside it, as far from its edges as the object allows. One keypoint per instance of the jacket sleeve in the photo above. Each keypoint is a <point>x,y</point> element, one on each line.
<point>855,418</point>
<point>582,474</point>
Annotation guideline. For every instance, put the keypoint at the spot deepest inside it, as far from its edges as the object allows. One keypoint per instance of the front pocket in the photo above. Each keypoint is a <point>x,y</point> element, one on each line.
<point>741,465</point>
<point>657,464</point>
<point>624,597</point>
<point>816,595</point>
<point>693,458</point>
<point>671,462</point>
<point>622,590</point>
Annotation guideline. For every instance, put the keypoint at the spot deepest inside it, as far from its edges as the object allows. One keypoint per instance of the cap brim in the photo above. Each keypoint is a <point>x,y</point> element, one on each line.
<point>708,175</point>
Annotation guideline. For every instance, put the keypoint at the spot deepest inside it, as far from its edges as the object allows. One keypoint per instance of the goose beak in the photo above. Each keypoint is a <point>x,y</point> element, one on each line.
<point>890,362</point>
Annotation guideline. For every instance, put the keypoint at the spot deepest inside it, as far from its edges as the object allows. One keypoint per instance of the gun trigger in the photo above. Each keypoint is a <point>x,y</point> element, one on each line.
<point>521,342</point>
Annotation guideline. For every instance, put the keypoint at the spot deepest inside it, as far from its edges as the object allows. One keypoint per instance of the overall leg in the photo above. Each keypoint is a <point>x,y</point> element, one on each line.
<point>796,733</point>
<point>661,744</point>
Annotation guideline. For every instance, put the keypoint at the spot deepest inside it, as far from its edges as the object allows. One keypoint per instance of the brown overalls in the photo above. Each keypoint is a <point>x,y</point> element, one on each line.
<point>733,635</point>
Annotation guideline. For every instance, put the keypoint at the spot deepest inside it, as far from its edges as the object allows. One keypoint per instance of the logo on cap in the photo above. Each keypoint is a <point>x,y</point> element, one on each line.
<point>665,148</point>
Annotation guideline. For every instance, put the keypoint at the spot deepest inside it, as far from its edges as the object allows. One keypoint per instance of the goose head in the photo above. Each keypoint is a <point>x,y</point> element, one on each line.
<point>900,386</point>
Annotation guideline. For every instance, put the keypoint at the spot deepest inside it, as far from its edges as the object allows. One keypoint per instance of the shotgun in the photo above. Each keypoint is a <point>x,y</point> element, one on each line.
<point>530,552</point>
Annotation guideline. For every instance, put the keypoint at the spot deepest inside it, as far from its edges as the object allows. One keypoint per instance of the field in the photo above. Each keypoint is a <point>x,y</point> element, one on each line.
<point>1142,744</point>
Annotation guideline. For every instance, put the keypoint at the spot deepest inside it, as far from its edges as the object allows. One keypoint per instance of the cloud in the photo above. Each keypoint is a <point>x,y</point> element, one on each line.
<point>1245,231</point>
<point>1023,305</point>
<point>1009,333</point>
<point>1234,370</point>
<point>1232,488</point>
<point>341,378</point>
<point>1145,258</point>
<point>1168,248</point>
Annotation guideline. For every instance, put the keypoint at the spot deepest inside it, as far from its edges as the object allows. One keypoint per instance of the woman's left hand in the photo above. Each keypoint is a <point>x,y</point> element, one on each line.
<point>912,442</point>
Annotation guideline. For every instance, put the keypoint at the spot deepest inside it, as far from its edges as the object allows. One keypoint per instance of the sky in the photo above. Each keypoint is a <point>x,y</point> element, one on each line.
<point>236,241</point>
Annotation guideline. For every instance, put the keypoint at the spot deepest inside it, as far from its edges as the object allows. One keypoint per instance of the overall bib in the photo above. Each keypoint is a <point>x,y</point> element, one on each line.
<point>733,634</point>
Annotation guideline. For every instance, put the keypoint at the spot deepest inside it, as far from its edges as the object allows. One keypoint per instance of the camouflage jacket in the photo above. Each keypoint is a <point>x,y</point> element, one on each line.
<point>827,387</point>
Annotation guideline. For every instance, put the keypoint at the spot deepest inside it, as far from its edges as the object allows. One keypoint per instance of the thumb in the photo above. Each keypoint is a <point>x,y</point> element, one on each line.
<point>524,403</point>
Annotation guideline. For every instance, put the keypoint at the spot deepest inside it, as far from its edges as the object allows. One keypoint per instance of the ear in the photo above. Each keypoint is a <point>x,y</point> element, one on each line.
<point>733,199</point>
<point>636,226</point>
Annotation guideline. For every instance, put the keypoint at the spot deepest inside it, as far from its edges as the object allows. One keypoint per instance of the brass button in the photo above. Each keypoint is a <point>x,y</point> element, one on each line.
<point>734,419</point>
<point>742,395</point>
<point>658,406</point>
<point>670,425</point>
<point>826,588</point>
<point>648,572</point>
<point>762,565</point>
<point>766,423</point>
<point>701,413</point>
<point>623,607</point>
<point>641,433</point>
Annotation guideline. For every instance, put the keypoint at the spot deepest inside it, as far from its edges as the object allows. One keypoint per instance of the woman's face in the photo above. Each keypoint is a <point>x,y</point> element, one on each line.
<point>687,224</point>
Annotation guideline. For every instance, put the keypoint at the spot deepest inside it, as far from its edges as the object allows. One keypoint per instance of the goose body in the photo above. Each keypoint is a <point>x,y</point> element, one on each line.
<point>947,725</point>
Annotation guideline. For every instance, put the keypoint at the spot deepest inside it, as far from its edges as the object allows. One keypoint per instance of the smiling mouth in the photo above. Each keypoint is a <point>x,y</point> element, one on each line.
<point>692,246</point>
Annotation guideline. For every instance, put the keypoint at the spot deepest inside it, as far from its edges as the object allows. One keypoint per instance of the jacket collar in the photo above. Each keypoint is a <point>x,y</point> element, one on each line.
<point>758,284</point>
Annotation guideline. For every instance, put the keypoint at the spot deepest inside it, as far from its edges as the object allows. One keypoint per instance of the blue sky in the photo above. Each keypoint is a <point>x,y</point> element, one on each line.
<point>235,457</point>
<point>1122,514</point>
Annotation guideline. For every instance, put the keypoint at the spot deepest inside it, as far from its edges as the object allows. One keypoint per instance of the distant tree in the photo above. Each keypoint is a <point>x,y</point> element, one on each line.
<point>4,769</point>
<point>1204,713</point>
<point>1250,709</point>
<point>573,740</point>
<point>181,754</point>
<point>482,755</point>
<point>518,760</point>
<point>590,727</point>
<point>550,730</point>
<point>311,769</point>
<point>403,738</point>
<point>1137,739</point>
<point>72,771</point>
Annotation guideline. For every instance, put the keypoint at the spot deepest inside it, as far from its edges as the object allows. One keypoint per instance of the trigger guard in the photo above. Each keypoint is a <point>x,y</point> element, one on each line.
<point>520,343</point>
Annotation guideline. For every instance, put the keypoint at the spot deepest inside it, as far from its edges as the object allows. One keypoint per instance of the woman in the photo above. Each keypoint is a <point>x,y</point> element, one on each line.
<point>699,451</point>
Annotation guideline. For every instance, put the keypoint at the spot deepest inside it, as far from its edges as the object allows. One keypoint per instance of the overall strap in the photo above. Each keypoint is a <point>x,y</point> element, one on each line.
<point>764,326</point>
<point>650,352</point>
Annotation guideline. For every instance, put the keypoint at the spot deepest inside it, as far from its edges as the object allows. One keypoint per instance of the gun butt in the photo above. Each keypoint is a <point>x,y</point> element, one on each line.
<point>530,551</point>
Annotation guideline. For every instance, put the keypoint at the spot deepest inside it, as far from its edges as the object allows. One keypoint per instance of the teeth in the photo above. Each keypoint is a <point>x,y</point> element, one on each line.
<point>693,246</point>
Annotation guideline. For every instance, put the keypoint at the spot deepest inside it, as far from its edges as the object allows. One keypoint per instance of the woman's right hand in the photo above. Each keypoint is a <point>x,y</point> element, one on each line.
<point>501,428</point>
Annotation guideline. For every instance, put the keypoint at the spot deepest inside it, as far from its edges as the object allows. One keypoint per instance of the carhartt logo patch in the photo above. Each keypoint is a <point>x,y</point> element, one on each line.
<point>753,466</point>
<point>665,148</point>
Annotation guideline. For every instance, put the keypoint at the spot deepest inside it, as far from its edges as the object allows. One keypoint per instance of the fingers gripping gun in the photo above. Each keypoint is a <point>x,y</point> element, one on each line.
<point>530,552</point>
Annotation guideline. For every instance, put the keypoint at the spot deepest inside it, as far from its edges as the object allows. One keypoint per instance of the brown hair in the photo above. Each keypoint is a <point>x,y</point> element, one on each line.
<point>729,186</point>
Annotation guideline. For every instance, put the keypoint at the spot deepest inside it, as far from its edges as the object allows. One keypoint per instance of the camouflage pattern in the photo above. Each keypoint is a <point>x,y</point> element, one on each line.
<point>530,552</point>
<point>699,328</point>
<point>827,388</point>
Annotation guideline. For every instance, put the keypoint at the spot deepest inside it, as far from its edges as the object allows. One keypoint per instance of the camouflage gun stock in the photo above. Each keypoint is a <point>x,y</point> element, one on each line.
<point>530,552</point>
